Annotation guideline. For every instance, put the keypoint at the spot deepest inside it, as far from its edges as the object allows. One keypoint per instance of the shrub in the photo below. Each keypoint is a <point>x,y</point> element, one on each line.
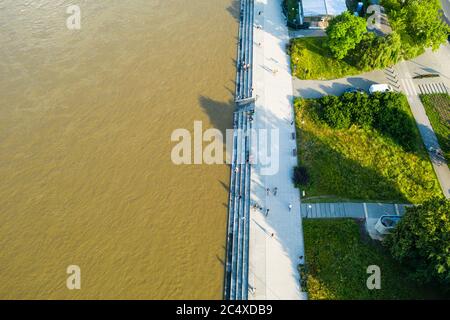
<point>395,122</point>
<point>301,177</point>
<point>335,113</point>
<point>382,111</point>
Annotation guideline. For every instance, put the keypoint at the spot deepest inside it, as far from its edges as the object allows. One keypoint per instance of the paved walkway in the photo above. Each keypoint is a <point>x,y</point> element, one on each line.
<point>318,88</point>
<point>276,239</point>
<point>350,210</point>
<point>429,63</point>
<point>307,33</point>
<point>446,10</point>
<point>370,212</point>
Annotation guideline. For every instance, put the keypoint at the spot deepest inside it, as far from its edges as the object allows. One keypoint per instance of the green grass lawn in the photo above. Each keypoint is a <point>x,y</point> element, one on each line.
<point>337,257</point>
<point>360,164</point>
<point>311,60</point>
<point>437,107</point>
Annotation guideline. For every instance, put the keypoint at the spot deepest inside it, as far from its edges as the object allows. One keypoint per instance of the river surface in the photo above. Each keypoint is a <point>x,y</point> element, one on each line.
<point>86,118</point>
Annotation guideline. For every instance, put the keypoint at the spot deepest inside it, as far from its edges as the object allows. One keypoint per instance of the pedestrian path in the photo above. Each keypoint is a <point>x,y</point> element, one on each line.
<point>392,79</point>
<point>429,88</point>
<point>408,87</point>
<point>276,237</point>
<point>423,123</point>
<point>350,210</point>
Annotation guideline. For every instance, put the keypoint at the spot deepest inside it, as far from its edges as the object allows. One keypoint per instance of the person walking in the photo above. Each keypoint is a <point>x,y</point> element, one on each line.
<point>275,190</point>
<point>290,207</point>
<point>267,212</point>
<point>268,191</point>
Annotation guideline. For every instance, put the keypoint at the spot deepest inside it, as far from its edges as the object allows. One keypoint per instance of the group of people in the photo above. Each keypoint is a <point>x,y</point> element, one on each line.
<point>267,210</point>
<point>244,65</point>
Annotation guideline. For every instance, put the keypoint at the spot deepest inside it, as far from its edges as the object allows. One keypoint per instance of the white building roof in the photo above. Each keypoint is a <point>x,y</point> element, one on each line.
<point>323,7</point>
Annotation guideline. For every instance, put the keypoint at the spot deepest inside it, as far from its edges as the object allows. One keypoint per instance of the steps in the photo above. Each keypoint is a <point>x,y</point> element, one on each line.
<point>237,265</point>
<point>332,210</point>
<point>245,52</point>
<point>239,210</point>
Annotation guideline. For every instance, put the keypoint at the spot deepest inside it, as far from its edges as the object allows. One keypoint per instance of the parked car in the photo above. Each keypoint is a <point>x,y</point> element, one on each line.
<point>380,87</point>
<point>354,90</point>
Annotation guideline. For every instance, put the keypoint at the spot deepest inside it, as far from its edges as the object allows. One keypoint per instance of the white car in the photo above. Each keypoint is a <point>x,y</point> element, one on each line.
<point>381,87</point>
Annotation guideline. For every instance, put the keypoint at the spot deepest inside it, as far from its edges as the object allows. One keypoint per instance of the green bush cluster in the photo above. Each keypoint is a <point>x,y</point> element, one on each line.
<point>419,23</point>
<point>348,38</point>
<point>384,112</point>
<point>344,33</point>
<point>375,52</point>
<point>416,25</point>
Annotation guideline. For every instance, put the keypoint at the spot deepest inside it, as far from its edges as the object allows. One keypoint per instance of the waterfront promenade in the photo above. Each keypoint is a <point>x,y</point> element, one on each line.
<point>276,239</point>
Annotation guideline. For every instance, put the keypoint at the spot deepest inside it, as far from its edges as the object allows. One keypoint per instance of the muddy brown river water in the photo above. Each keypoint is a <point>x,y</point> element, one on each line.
<point>86,176</point>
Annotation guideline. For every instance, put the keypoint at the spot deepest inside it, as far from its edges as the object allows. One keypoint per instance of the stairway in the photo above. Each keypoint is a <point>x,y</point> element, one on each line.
<point>237,265</point>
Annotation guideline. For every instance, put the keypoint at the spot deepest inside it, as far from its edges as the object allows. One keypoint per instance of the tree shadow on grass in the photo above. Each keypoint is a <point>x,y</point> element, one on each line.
<point>331,173</point>
<point>317,45</point>
<point>388,174</point>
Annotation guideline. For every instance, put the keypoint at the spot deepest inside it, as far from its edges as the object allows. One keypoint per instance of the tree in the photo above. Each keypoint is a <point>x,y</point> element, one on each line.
<point>301,177</point>
<point>420,24</point>
<point>421,241</point>
<point>344,33</point>
<point>425,24</point>
<point>376,52</point>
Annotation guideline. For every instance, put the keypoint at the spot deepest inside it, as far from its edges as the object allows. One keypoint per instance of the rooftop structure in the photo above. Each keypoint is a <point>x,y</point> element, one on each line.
<point>315,13</point>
